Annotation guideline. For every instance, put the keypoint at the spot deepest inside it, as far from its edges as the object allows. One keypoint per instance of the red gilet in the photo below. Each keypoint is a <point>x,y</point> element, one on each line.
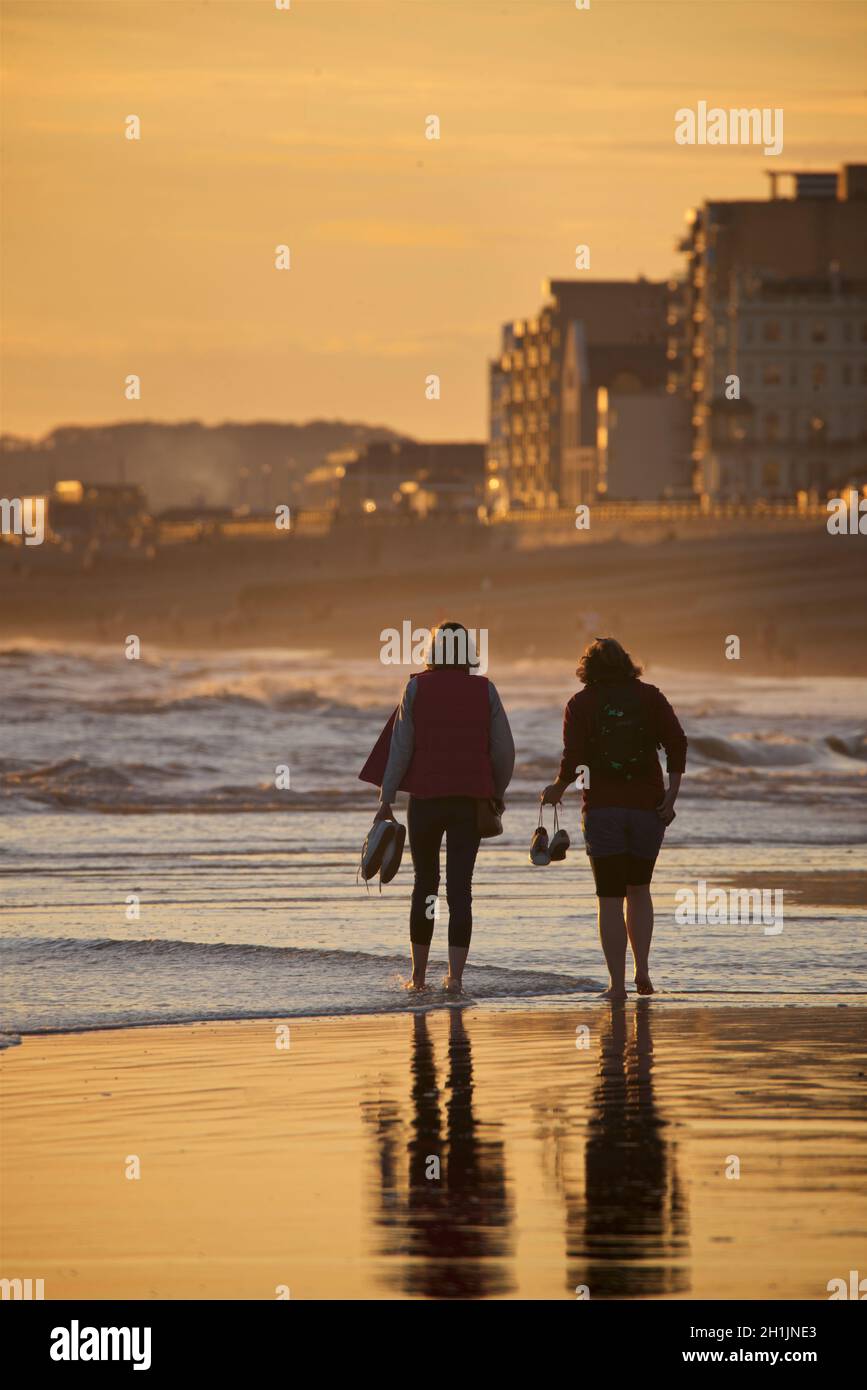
<point>451,717</point>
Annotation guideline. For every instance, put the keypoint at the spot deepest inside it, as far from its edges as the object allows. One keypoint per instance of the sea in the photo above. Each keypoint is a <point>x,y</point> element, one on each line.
<point>180,838</point>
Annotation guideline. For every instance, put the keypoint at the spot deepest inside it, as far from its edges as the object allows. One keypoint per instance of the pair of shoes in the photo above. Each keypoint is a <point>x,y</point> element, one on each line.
<point>544,852</point>
<point>382,851</point>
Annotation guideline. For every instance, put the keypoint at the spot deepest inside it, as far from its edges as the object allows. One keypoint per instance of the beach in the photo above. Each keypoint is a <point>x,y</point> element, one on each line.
<point>170,915</point>
<point>795,595</point>
<point>305,1171</point>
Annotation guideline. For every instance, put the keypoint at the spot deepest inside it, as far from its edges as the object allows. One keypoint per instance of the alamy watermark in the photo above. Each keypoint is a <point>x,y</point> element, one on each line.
<point>22,1288</point>
<point>737,126</point>
<point>716,906</point>
<point>847,516</point>
<point>77,1343</point>
<point>23,516</point>
<point>417,646</point>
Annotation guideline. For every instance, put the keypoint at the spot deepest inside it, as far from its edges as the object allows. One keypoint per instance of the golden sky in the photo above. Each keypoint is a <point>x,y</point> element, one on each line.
<point>306,127</point>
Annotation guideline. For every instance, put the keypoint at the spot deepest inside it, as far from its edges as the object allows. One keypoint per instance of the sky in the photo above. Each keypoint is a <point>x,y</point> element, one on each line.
<point>306,127</point>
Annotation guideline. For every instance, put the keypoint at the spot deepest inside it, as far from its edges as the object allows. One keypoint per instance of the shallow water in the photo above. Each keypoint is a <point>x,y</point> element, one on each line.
<point>155,780</point>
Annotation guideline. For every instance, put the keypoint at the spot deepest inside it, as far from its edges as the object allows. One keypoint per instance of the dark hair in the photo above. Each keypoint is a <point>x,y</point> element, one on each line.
<point>604,659</point>
<point>452,646</point>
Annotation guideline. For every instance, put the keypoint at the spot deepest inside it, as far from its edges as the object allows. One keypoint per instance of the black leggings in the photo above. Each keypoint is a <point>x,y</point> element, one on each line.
<point>428,819</point>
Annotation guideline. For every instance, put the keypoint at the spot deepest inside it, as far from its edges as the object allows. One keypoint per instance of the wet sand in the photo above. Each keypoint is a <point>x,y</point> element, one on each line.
<point>459,1153</point>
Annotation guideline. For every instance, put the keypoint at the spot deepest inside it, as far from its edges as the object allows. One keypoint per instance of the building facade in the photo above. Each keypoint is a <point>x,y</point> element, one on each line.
<point>544,385</point>
<point>412,479</point>
<point>768,339</point>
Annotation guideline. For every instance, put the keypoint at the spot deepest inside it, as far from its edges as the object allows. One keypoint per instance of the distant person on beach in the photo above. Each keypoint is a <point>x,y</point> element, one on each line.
<point>612,728</point>
<point>451,747</point>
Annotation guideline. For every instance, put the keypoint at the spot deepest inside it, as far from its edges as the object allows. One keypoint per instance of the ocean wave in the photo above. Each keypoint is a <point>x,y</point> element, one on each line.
<point>773,749</point>
<point>165,980</point>
<point>853,747</point>
<point>70,780</point>
<point>138,788</point>
<point>302,700</point>
<point>74,784</point>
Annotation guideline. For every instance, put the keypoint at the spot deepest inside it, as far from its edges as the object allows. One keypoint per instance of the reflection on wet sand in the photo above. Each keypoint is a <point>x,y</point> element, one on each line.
<point>443,1204</point>
<point>442,1201</point>
<point>627,1236</point>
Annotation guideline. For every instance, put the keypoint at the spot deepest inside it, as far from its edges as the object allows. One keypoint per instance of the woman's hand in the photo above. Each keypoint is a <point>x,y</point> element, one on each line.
<point>665,809</point>
<point>384,813</point>
<point>553,795</point>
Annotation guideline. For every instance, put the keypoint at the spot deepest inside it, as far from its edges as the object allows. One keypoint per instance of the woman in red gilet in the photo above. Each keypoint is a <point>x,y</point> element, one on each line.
<point>451,746</point>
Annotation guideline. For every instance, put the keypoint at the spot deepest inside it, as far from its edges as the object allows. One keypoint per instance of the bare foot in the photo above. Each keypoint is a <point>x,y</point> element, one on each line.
<point>451,985</point>
<point>643,984</point>
<point>414,986</point>
<point>615,995</point>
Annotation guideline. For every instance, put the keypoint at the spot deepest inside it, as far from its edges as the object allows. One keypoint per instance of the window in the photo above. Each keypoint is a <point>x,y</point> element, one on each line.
<point>819,333</point>
<point>771,331</point>
<point>819,375</point>
<point>772,426</point>
<point>770,473</point>
<point>772,374</point>
<point>846,374</point>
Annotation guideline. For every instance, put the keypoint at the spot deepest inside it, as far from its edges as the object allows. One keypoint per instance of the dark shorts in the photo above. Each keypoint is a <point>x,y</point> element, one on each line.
<point>622,844</point>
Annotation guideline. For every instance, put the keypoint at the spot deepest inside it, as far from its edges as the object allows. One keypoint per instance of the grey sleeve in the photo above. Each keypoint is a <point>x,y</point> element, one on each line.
<point>502,743</point>
<point>402,745</point>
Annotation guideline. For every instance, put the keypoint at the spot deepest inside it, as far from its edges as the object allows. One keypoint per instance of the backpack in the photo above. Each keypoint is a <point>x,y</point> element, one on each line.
<point>623,746</point>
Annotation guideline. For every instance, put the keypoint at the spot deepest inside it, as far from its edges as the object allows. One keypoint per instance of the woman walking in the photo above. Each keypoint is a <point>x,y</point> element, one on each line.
<point>611,730</point>
<point>451,748</point>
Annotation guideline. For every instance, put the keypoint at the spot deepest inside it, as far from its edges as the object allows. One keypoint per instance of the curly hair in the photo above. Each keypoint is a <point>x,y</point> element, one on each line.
<point>604,659</point>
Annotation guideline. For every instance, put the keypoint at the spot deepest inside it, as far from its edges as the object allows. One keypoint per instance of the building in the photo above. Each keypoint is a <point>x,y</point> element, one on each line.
<point>544,385</point>
<point>410,478</point>
<point>104,515</point>
<point>768,338</point>
<point>638,436</point>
